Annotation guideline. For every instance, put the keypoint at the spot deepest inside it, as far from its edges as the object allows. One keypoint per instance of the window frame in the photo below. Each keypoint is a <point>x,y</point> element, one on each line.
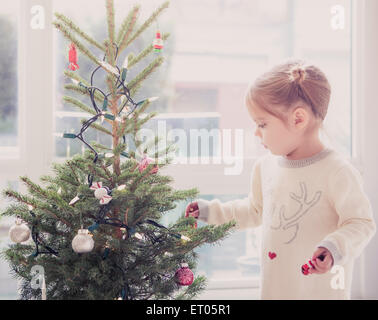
<point>36,144</point>
<point>34,73</point>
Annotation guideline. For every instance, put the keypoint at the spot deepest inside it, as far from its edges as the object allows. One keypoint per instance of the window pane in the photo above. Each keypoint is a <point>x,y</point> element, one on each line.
<point>9,78</point>
<point>8,287</point>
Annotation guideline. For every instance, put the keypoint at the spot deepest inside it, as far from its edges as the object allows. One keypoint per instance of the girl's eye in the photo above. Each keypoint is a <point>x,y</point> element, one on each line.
<point>262,126</point>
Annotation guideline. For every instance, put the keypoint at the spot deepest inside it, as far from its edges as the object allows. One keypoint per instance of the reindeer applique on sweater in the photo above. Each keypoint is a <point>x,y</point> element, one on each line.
<point>290,223</point>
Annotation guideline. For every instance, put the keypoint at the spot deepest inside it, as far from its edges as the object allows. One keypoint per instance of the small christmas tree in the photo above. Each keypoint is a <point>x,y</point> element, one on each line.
<point>95,223</point>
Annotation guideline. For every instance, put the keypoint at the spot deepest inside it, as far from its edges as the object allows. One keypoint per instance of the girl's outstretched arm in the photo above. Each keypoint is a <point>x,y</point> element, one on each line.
<point>246,212</point>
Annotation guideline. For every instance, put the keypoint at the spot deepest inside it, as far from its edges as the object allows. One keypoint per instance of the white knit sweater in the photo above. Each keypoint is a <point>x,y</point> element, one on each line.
<point>301,205</point>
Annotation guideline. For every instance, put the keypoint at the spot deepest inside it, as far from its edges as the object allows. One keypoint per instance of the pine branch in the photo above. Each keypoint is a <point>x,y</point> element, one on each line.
<point>133,124</point>
<point>97,172</point>
<point>111,82</point>
<point>76,89</point>
<point>79,104</point>
<point>147,23</point>
<point>98,127</point>
<point>147,118</point>
<point>142,108</point>
<point>63,176</point>
<point>110,18</point>
<point>28,201</point>
<point>78,44</point>
<point>127,27</point>
<point>71,75</point>
<point>135,84</point>
<point>145,52</point>
<point>37,190</point>
<point>73,172</point>
<point>81,33</point>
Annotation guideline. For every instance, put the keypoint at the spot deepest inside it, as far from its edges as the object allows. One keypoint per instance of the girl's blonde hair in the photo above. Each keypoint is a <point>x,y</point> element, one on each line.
<point>280,89</point>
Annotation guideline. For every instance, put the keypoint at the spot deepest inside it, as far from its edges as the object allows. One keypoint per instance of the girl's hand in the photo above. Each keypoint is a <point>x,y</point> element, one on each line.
<point>322,260</point>
<point>192,210</point>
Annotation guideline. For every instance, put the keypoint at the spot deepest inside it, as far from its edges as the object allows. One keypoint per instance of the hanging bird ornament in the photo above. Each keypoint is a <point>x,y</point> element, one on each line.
<point>158,42</point>
<point>72,57</point>
<point>101,193</point>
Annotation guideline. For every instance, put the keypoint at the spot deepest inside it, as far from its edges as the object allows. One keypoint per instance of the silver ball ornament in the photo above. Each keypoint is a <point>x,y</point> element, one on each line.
<point>83,242</point>
<point>19,232</point>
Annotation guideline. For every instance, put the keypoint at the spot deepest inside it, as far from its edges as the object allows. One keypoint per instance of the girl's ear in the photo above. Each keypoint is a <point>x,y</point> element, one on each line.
<point>299,118</point>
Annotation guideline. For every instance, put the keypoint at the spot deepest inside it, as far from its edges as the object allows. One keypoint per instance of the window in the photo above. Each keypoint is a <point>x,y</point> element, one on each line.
<point>9,80</point>
<point>8,288</point>
<point>213,53</point>
<point>9,124</point>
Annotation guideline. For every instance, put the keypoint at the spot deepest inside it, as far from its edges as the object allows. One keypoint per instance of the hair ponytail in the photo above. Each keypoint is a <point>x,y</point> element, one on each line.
<point>279,89</point>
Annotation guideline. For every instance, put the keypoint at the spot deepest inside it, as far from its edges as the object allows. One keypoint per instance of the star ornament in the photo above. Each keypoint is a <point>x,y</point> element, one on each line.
<point>101,193</point>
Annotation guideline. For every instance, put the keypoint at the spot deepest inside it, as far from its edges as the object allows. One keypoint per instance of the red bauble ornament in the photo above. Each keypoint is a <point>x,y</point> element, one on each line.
<point>72,57</point>
<point>184,276</point>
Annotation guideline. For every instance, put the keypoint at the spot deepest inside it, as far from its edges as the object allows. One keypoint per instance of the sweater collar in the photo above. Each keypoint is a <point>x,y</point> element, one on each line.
<point>304,162</point>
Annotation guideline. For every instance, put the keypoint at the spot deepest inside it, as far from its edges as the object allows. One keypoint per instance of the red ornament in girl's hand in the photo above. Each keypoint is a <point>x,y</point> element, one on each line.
<point>184,276</point>
<point>72,57</point>
<point>306,268</point>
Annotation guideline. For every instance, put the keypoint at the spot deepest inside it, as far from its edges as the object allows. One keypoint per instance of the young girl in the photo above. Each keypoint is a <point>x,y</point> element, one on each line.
<point>308,198</point>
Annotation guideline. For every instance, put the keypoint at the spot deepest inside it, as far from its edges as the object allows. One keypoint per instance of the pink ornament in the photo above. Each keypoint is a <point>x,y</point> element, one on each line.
<point>144,164</point>
<point>184,276</point>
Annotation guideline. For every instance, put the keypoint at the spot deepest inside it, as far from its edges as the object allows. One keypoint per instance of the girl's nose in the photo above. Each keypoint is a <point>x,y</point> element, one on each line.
<point>257,132</point>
